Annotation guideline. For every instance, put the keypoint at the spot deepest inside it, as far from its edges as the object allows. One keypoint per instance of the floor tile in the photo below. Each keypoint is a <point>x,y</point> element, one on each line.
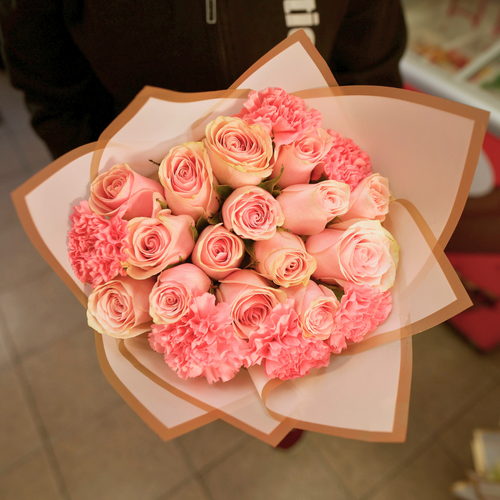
<point>67,381</point>
<point>212,441</point>
<point>484,414</point>
<point>32,480</point>
<point>10,161</point>
<point>4,353</point>
<point>18,435</point>
<point>20,260</point>
<point>260,471</point>
<point>41,310</point>
<point>192,491</point>
<point>361,465</point>
<point>116,456</point>
<point>29,147</point>
<point>8,215</point>
<point>429,477</point>
<point>14,112</point>
<point>447,375</point>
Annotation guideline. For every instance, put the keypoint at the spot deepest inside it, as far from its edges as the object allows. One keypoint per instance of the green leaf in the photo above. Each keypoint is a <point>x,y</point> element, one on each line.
<point>337,290</point>
<point>162,205</point>
<point>250,248</point>
<point>334,221</point>
<point>194,233</point>
<point>155,162</point>
<point>215,219</point>
<point>270,185</point>
<point>223,191</point>
<point>213,288</point>
<point>201,223</point>
<point>321,179</point>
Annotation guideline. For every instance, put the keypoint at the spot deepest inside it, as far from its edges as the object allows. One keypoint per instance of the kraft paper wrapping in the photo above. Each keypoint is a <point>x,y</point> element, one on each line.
<point>427,147</point>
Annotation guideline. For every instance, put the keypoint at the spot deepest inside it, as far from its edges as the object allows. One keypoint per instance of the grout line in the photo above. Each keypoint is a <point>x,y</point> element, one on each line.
<point>195,474</point>
<point>423,446</point>
<point>224,456</point>
<point>175,489</point>
<point>33,408</point>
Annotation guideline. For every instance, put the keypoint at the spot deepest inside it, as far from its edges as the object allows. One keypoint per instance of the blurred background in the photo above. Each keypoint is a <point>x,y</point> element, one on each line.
<point>65,434</point>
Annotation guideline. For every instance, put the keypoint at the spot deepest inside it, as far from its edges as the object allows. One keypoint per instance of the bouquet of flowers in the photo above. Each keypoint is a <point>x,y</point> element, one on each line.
<point>264,239</point>
<point>246,187</point>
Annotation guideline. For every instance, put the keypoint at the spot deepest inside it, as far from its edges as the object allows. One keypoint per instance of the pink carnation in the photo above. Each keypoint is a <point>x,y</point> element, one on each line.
<point>280,343</point>
<point>345,162</point>
<point>201,343</point>
<point>282,115</point>
<point>362,309</point>
<point>96,245</point>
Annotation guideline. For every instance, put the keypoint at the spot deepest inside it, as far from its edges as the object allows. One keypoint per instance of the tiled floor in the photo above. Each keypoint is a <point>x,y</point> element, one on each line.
<point>66,434</point>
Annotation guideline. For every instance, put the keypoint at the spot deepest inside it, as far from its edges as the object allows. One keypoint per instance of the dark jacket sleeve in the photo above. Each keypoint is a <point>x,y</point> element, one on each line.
<point>43,61</point>
<point>369,44</point>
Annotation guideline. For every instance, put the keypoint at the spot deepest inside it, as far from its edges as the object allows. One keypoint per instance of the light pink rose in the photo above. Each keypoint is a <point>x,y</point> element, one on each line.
<point>122,189</point>
<point>280,344</point>
<point>252,213</point>
<point>284,259</point>
<point>251,300</point>
<point>345,162</point>
<point>202,343</point>
<point>218,252</point>
<point>120,307</point>
<point>300,157</point>
<point>361,253</point>
<point>362,309</point>
<point>283,115</point>
<point>155,244</point>
<point>239,153</point>
<point>309,207</point>
<point>370,199</point>
<point>170,297</point>
<point>316,307</point>
<point>187,177</point>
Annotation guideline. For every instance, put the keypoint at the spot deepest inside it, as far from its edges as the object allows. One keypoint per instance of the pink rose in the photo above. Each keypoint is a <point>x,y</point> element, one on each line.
<point>187,177</point>
<point>309,207</point>
<point>201,343</point>
<point>158,243</point>
<point>218,252</point>
<point>284,259</point>
<point>170,297</point>
<point>252,213</point>
<point>362,309</point>
<point>362,253</point>
<point>283,115</point>
<point>120,307</point>
<point>370,199</point>
<point>96,245</point>
<point>301,157</point>
<point>123,189</point>
<point>279,343</point>
<point>316,307</point>
<point>345,162</point>
<point>239,153</point>
<point>251,300</point>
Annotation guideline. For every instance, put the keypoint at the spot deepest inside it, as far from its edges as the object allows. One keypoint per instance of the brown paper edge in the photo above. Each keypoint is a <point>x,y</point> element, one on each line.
<point>400,425</point>
<point>478,116</point>
<point>272,439</point>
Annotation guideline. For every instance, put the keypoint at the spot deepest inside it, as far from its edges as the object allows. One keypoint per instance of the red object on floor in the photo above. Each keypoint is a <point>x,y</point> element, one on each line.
<point>480,274</point>
<point>290,439</point>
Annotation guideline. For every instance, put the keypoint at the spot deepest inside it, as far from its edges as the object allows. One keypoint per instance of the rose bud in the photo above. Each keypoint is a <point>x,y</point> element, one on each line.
<point>370,199</point>
<point>252,213</point>
<point>362,253</point>
<point>301,157</point>
<point>122,189</point>
<point>251,300</point>
<point>239,153</point>
<point>284,259</point>
<point>170,297</point>
<point>120,307</point>
<point>187,177</point>
<point>316,307</point>
<point>309,207</point>
<point>218,252</point>
<point>155,244</point>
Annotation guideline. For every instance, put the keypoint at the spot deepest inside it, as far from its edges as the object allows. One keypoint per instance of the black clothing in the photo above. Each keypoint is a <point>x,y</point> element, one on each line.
<point>80,62</point>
